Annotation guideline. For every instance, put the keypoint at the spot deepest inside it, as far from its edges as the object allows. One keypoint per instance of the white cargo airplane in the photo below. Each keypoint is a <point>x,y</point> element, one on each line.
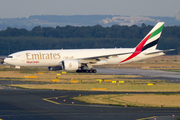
<point>82,60</point>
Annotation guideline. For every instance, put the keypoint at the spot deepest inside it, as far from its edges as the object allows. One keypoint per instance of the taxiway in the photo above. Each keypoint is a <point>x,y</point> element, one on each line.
<point>28,104</point>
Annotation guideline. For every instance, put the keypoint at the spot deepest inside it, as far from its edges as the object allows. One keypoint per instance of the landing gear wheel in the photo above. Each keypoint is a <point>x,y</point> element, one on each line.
<point>94,71</point>
<point>87,71</point>
<point>79,71</point>
<point>90,71</point>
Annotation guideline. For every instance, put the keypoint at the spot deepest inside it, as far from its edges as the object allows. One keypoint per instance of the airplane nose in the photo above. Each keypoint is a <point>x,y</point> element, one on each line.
<point>5,61</point>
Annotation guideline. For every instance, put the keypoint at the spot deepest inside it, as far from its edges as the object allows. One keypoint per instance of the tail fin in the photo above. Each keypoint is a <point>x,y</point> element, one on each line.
<point>151,39</point>
<point>149,42</point>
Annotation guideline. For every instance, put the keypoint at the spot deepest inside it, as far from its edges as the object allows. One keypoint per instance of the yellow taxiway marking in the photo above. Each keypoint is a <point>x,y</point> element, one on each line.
<point>48,100</point>
<point>56,97</point>
<point>51,101</point>
<point>147,118</point>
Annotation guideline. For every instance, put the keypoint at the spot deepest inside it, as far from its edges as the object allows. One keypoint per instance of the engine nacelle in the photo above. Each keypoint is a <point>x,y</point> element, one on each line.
<point>54,68</point>
<point>70,64</point>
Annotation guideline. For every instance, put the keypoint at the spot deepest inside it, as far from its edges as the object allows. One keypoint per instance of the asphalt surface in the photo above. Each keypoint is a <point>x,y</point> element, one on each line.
<point>25,104</point>
<point>152,73</point>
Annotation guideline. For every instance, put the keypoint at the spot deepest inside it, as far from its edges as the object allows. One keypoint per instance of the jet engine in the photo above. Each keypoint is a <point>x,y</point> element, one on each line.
<point>66,65</point>
<point>70,65</point>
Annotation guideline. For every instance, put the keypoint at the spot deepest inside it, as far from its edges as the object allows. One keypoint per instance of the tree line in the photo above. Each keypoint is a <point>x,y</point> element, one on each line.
<point>97,31</point>
<point>71,37</point>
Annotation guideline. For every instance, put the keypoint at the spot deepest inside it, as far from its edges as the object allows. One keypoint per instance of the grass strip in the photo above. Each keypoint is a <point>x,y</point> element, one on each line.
<point>166,87</point>
<point>135,100</point>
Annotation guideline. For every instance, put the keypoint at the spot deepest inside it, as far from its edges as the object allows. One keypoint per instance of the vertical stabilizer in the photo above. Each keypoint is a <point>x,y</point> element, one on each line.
<point>151,39</point>
<point>149,42</point>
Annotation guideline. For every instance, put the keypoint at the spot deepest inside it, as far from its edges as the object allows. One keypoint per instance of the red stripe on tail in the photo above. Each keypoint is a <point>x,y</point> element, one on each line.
<point>138,49</point>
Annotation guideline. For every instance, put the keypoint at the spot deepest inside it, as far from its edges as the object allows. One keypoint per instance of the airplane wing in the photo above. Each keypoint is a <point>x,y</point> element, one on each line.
<point>95,59</point>
<point>160,51</point>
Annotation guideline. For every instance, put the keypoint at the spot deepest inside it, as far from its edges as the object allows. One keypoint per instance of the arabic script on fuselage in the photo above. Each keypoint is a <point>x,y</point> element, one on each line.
<point>32,62</point>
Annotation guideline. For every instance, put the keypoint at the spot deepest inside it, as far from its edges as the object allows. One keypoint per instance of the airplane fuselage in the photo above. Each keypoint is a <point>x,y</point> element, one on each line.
<point>54,57</point>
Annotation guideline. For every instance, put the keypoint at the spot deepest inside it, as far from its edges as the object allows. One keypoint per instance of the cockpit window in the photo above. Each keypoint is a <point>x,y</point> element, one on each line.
<point>10,57</point>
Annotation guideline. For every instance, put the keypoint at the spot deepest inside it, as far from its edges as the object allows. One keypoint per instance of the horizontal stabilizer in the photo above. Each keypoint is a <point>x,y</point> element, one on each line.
<point>160,51</point>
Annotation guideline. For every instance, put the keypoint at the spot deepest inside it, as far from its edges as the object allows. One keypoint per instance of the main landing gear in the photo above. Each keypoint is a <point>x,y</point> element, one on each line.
<point>86,71</point>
